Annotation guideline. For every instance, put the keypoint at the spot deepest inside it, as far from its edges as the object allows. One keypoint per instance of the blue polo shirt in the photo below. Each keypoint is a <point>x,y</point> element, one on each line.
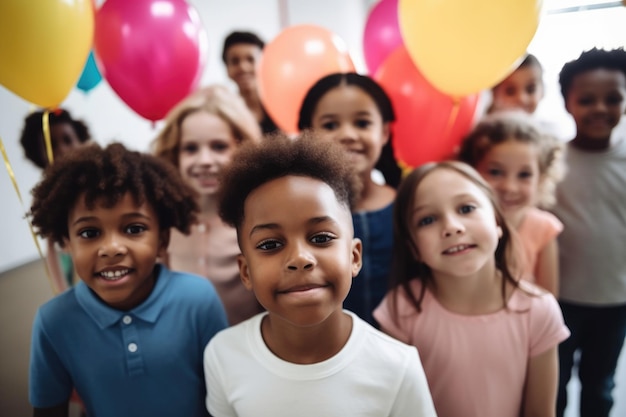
<point>142,362</point>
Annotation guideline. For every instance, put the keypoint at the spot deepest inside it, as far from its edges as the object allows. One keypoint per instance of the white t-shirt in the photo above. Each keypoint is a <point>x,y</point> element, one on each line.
<point>373,375</point>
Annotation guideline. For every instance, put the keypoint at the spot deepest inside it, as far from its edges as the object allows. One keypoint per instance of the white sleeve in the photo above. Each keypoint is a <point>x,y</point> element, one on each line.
<point>413,394</point>
<point>216,401</point>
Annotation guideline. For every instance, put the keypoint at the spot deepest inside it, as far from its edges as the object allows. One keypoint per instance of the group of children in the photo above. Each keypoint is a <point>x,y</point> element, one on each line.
<point>340,281</point>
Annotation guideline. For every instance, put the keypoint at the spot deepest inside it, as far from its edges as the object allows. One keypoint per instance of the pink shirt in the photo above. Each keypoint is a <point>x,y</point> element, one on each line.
<point>538,228</point>
<point>476,365</point>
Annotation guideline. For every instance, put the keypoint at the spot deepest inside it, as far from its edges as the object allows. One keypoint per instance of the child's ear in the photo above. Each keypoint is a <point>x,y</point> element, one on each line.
<point>499,230</point>
<point>386,132</point>
<point>357,256</point>
<point>244,272</point>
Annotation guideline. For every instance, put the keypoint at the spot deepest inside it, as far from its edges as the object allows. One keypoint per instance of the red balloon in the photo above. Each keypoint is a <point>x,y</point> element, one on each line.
<point>151,52</point>
<point>382,34</point>
<point>429,124</point>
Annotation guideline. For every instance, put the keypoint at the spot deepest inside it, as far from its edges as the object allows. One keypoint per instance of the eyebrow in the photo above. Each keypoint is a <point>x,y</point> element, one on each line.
<point>462,196</point>
<point>132,215</point>
<point>274,226</point>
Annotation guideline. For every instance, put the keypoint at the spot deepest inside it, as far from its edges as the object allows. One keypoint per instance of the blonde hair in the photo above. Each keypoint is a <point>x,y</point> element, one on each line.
<point>213,99</point>
<point>504,126</point>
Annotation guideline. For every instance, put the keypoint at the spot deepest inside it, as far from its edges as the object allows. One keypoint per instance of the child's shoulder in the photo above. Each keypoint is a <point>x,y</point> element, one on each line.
<point>530,297</point>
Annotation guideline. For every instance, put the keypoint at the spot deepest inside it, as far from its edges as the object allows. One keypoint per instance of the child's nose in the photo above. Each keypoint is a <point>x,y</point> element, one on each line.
<point>452,226</point>
<point>112,246</point>
<point>205,156</point>
<point>299,257</point>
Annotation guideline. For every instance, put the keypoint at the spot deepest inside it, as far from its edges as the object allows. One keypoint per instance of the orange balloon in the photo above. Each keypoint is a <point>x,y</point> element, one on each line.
<point>291,63</point>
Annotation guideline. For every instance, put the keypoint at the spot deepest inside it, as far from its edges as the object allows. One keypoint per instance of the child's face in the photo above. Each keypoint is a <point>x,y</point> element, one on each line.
<point>349,115</point>
<point>298,251</point>
<point>512,170</point>
<point>597,101</point>
<point>453,225</point>
<point>242,60</point>
<point>523,89</point>
<point>114,250</point>
<point>207,145</point>
<point>63,139</point>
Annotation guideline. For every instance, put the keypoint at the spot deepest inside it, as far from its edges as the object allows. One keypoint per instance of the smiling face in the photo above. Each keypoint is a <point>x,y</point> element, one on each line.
<point>349,116</point>
<point>512,169</point>
<point>299,254</point>
<point>114,250</point>
<point>242,60</point>
<point>207,145</point>
<point>453,225</point>
<point>596,101</point>
<point>523,89</point>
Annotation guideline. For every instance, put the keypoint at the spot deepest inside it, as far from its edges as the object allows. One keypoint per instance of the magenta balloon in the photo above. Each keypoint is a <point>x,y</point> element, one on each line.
<point>152,52</point>
<point>382,34</point>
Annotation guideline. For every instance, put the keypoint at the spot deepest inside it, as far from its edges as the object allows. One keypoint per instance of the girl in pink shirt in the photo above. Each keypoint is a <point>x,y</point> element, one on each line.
<point>523,166</point>
<point>488,342</point>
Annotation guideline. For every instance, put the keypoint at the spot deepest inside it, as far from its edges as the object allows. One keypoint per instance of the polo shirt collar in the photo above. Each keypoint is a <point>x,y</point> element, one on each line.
<point>106,316</point>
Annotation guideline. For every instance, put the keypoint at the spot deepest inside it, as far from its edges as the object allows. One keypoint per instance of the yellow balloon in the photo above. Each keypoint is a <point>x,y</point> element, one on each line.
<point>44,45</point>
<point>465,46</point>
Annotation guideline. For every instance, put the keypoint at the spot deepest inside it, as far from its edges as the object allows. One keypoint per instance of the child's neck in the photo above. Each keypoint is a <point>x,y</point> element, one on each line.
<point>592,145</point>
<point>481,294</point>
<point>310,344</point>
<point>374,196</point>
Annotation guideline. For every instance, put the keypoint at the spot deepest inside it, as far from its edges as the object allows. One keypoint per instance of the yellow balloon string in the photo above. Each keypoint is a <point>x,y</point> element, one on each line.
<point>7,163</point>
<point>45,124</point>
<point>456,106</point>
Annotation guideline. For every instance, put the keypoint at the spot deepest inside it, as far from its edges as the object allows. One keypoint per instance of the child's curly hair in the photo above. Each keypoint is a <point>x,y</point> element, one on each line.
<point>307,156</point>
<point>503,126</point>
<point>104,176</point>
<point>593,59</point>
<point>32,133</point>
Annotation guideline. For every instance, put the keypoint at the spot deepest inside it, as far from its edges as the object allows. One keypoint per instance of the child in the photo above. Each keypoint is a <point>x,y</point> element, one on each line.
<point>290,203</point>
<point>66,134</point>
<point>522,89</point>
<point>590,203</point>
<point>488,342</point>
<point>241,54</point>
<point>199,138</point>
<point>353,110</point>
<point>129,337</point>
<point>522,165</point>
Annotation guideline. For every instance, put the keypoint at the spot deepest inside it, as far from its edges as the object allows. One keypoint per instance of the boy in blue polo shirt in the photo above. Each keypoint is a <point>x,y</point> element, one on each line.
<point>129,337</point>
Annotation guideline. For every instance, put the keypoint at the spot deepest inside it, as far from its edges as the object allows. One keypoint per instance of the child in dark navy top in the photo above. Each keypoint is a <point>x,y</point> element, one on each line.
<point>129,337</point>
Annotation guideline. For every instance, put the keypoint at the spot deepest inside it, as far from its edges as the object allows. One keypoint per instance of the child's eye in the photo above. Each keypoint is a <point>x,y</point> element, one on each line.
<point>189,148</point>
<point>322,238</point>
<point>330,125</point>
<point>135,229</point>
<point>219,146</point>
<point>269,245</point>
<point>362,123</point>
<point>466,208</point>
<point>525,174</point>
<point>425,221</point>
<point>88,233</point>
<point>494,172</point>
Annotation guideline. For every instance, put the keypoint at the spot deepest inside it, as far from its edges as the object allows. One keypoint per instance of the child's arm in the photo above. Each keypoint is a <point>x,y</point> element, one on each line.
<point>61,410</point>
<point>547,268</point>
<point>54,268</point>
<point>541,385</point>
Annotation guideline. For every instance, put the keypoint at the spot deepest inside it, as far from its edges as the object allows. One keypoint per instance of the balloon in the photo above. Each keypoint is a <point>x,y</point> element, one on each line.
<point>151,52</point>
<point>291,63</point>
<point>463,47</point>
<point>382,33</point>
<point>43,47</point>
<point>429,124</point>
<point>90,76</point>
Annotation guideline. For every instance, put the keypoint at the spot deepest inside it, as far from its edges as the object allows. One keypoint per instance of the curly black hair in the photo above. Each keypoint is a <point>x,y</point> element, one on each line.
<point>104,176</point>
<point>238,37</point>
<point>307,156</point>
<point>31,138</point>
<point>590,60</point>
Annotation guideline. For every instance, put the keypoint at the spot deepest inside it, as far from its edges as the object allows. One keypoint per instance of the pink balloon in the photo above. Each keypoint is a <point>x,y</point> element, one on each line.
<point>151,52</point>
<point>382,34</point>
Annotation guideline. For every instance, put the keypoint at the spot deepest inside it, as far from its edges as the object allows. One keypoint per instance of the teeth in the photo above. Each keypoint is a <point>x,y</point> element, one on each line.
<point>457,249</point>
<point>113,275</point>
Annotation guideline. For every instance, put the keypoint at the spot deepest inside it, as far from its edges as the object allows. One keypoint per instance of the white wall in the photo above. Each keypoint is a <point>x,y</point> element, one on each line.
<point>560,38</point>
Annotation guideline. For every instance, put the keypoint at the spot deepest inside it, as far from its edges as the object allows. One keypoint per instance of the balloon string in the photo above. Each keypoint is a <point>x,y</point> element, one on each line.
<point>45,124</point>
<point>7,164</point>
